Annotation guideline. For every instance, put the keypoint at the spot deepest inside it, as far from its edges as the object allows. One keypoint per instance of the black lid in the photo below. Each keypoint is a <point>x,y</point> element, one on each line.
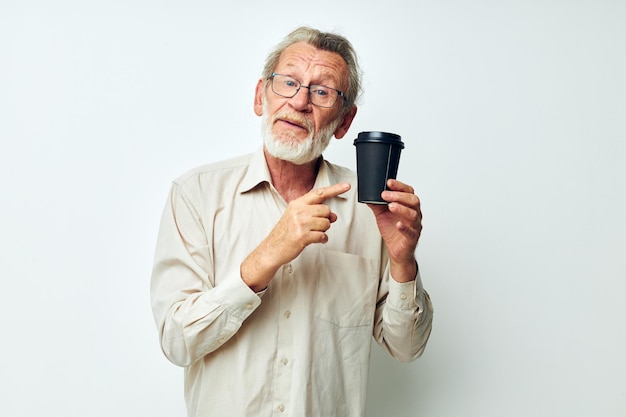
<point>384,137</point>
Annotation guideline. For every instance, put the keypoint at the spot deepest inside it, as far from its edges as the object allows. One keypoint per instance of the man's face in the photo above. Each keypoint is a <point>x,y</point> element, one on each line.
<point>293,128</point>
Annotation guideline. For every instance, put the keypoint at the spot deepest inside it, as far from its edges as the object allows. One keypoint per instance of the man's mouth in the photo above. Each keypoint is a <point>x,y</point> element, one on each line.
<point>294,123</point>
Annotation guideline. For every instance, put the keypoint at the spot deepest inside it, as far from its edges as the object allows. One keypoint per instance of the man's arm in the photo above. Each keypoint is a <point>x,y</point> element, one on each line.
<point>404,311</point>
<point>193,315</point>
<point>404,316</point>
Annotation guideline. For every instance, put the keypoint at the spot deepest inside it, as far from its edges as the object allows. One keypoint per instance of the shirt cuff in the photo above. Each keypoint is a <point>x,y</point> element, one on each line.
<point>237,297</point>
<point>406,295</point>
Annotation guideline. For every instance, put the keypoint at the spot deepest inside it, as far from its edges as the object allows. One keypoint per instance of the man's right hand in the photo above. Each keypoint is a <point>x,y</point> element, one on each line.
<point>305,221</point>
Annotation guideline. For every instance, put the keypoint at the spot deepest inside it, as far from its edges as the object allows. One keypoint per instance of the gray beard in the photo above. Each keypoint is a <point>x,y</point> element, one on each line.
<point>298,152</point>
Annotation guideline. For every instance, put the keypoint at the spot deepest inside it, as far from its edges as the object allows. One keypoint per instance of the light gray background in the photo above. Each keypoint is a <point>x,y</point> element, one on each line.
<point>513,114</point>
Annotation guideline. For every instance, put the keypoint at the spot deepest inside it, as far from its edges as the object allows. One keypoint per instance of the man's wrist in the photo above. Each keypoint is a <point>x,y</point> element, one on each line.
<point>403,272</point>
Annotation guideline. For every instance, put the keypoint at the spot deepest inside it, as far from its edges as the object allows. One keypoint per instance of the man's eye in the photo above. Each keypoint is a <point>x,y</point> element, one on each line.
<point>290,83</point>
<point>320,92</point>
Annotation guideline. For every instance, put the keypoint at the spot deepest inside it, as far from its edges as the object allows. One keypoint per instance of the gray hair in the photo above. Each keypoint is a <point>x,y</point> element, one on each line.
<point>324,41</point>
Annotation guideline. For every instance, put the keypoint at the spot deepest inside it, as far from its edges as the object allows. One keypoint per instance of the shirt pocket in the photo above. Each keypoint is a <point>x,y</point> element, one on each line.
<point>346,289</point>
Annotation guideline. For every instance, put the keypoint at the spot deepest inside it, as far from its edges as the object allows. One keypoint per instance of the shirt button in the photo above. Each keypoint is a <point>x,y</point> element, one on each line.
<point>403,296</point>
<point>249,306</point>
<point>281,408</point>
<point>290,269</point>
<point>284,361</point>
<point>221,340</point>
<point>287,314</point>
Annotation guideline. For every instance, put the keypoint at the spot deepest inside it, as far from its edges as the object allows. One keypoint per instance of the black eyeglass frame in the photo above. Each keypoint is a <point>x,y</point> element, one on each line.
<point>300,85</point>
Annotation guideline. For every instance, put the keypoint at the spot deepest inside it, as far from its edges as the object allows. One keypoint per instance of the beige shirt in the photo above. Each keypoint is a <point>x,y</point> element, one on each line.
<point>302,346</point>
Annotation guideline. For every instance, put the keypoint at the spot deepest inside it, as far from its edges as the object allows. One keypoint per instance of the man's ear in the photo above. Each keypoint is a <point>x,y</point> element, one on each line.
<point>343,127</point>
<point>258,97</point>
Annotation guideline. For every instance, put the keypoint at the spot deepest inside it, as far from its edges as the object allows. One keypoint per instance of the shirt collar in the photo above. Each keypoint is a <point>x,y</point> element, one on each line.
<point>259,173</point>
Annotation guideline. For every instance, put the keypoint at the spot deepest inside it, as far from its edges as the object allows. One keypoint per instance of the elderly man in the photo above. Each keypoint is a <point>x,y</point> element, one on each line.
<point>270,279</point>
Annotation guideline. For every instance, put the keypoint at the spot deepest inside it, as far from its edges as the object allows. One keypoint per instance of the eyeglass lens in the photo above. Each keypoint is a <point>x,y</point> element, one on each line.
<point>319,95</point>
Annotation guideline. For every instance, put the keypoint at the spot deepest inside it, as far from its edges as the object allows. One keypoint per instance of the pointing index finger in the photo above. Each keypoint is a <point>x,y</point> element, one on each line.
<point>318,195</point>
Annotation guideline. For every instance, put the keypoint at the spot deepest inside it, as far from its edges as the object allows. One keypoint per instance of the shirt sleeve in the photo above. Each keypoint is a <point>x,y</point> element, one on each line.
<point>193,315</point>
<point>404,319</point>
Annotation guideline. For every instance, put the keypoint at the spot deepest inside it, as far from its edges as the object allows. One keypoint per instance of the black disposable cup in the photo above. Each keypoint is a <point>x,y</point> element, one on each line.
<point>377,160</point>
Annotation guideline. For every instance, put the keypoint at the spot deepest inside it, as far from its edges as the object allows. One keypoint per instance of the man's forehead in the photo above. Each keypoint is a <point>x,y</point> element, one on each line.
<point>303,53</point>
<point>302,57</point>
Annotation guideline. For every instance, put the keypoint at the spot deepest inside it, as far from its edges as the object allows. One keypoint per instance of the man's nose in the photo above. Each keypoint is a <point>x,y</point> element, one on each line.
<point>301,100</point>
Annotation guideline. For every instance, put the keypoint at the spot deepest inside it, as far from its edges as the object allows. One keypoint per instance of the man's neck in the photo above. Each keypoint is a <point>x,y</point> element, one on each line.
<point>291,180</point>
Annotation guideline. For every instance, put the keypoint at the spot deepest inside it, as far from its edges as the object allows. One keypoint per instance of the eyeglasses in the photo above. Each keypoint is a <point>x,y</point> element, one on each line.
<point>319,95</point>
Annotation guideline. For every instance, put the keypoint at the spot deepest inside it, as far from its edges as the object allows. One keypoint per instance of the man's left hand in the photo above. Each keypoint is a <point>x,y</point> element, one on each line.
<point>400,225</point>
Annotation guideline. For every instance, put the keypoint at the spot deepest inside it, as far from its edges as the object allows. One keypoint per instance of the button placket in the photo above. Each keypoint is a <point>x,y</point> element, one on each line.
<point>283,366</point>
